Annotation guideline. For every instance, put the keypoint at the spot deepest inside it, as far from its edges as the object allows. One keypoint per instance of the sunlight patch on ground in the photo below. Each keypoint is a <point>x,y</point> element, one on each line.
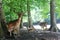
<point>58,25</point>
<point>37,26</point>
<point>48,26</point>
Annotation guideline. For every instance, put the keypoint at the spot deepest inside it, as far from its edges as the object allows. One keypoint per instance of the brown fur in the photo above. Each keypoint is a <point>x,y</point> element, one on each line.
<point>14,25</point>
<point>43,25</point>
<point>31,29</point>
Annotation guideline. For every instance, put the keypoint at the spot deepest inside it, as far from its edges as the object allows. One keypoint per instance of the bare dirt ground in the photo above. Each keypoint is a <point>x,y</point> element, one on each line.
<point>36,35</point>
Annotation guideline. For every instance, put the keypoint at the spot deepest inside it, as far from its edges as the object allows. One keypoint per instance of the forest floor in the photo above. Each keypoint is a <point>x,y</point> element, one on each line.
<point>36,34</point>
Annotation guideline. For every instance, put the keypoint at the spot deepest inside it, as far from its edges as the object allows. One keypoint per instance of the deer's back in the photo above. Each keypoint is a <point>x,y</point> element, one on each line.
<point>13,24</point>
<point>43,24</point>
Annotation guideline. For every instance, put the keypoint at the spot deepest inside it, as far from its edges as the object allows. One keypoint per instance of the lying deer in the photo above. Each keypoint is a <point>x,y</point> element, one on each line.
<point>31,29</point>
<point>43,25</point>
<point>14,25</point>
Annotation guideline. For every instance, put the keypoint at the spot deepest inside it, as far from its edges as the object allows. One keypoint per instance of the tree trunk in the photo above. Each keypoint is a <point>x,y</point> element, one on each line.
<point>29,14</point>
<point>2,20</point>
<point>52,16</point>
<point>1,31</point>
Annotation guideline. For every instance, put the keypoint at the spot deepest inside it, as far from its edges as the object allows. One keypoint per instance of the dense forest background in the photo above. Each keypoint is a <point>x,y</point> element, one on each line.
<point>39,9</point>
<point>33,11</point>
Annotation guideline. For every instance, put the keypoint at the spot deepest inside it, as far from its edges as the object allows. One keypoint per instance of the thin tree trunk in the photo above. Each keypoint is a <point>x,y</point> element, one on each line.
<point>52,16</point>
<point>29,14</point>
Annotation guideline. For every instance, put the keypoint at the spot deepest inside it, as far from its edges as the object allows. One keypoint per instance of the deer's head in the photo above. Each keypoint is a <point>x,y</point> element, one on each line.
<point>20,14</point>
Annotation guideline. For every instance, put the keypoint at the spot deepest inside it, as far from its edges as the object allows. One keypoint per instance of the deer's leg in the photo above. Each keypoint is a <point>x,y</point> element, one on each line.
<point>10,30</point>
<point>10,34</point>
<point>18,31</point>
<point>14,32</point>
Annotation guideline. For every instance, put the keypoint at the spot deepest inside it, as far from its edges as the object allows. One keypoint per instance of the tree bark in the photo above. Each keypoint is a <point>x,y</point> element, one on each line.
<point>29,14</point>
<point>1,31</point>
<point>2,20</point>
<point>52,16</point>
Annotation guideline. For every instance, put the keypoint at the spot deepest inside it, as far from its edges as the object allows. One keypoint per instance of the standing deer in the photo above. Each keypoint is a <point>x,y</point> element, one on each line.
<point>14,25</point>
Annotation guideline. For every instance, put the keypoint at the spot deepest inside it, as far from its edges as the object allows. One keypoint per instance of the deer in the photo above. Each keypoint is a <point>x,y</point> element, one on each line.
<point>43,25</point>
<point>14,26</point>
<point>31,29</point>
